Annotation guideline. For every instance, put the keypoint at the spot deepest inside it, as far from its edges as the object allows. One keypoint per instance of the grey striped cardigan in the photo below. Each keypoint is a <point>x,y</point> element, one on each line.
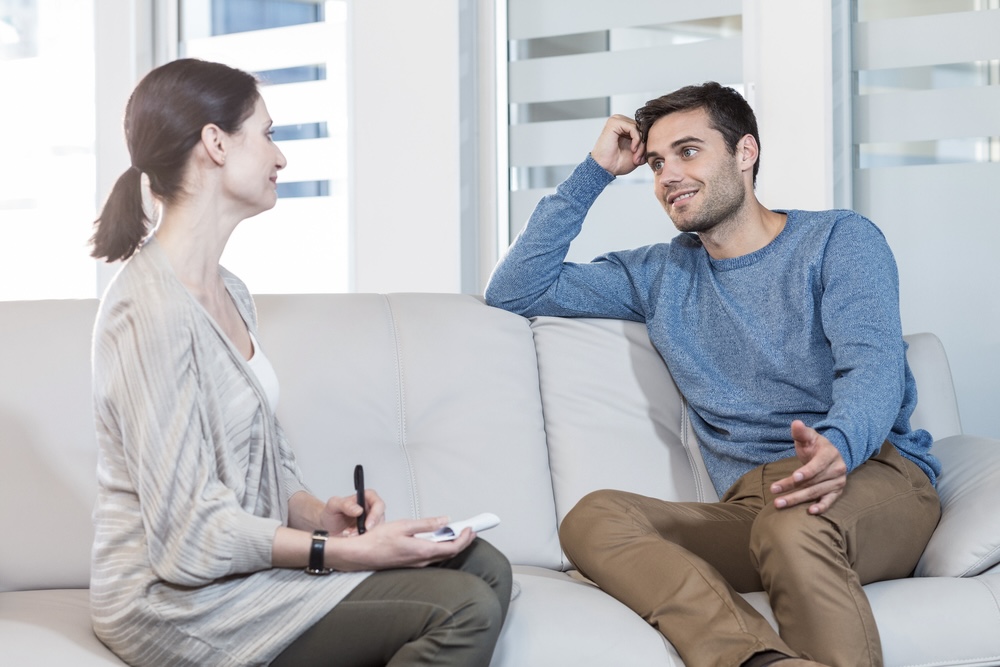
<point>194,478</point>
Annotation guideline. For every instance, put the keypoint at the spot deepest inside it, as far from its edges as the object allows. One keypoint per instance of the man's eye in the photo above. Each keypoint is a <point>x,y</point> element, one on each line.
<point>656,165</point>
<point>689,152</point>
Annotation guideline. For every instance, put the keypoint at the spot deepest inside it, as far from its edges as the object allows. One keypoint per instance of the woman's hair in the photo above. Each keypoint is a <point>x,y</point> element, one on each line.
<point>164,118</point>
<point>727,111</point>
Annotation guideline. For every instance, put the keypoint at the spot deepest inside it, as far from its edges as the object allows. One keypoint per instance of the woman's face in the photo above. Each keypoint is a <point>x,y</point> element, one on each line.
<point>253,162</point>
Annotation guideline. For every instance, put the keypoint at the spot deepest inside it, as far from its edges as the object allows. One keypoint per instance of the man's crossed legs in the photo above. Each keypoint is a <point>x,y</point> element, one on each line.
<point>681,566</point>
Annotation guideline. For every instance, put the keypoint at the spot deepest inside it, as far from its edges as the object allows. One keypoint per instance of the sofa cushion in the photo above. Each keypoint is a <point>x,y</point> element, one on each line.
<point>50,627</point>
<point>559,620</point>
<point>938,621</point>
<point>967,540</point>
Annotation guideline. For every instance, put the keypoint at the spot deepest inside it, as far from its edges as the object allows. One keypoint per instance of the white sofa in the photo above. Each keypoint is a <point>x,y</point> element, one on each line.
<point>458,408</point>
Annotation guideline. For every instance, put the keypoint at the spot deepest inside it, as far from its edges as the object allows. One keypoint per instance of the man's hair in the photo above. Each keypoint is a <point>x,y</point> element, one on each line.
<point>727,112</point>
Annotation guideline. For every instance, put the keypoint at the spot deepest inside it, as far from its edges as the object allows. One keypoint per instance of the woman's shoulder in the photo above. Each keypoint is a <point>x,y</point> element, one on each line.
<point>144,295</point>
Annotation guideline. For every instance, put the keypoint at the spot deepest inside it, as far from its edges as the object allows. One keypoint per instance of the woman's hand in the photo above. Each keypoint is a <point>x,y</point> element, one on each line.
<point>340,515</point>
<point>393,545</point>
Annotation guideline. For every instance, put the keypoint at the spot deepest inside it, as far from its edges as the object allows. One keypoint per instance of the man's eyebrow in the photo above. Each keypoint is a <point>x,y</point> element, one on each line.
<point>687,140</point>
<point>652,155</point>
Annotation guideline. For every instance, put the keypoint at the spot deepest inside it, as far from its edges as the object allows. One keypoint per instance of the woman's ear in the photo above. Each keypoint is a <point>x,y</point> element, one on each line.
<point>214,141</point>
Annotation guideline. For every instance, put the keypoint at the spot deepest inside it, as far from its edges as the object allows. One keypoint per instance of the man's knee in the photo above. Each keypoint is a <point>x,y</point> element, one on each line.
<point>595,509</point>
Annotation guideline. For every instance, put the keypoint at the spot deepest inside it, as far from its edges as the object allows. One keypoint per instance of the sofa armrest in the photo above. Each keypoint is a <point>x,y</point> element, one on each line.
<point>966,542</point>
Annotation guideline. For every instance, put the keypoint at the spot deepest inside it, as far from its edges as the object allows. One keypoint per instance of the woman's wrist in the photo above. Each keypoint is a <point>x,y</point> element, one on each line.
<point>304,512</point>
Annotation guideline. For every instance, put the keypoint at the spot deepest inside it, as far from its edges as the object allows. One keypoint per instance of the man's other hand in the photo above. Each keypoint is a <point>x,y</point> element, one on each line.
<point>822,477</point>
<point>619,149</point>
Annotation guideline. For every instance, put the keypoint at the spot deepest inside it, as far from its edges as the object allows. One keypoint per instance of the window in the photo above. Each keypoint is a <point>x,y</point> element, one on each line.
<point>47,179</point>
<point>67,146</point>
<point>298,51</point>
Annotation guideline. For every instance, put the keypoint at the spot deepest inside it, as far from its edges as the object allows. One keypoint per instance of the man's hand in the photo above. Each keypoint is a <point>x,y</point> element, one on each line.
<point>619,149</point>
<point>821,478</point>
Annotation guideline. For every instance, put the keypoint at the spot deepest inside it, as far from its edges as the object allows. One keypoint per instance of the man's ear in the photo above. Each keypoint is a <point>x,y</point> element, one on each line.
<point>214,141</point>
<point>747,152</point>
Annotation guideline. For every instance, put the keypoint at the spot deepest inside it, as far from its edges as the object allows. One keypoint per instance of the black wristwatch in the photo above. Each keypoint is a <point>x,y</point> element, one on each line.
<point>319,539</point>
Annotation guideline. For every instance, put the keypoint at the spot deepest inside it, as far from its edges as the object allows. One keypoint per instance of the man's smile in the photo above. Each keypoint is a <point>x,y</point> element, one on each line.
<point>681,197</point>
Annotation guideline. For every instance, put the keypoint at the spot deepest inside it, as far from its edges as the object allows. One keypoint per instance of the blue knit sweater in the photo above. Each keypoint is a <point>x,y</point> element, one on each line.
<point>805,328</point>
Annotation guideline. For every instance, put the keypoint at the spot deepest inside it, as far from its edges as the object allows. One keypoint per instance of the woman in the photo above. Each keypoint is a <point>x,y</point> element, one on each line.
<point>204,528</point>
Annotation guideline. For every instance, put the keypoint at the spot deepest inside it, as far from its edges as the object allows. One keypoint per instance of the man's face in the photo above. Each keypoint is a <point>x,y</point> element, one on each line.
<point>698,181</point>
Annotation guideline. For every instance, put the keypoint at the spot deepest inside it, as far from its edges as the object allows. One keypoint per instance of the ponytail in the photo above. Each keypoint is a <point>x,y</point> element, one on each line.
<point>123,223</point>
<point>164,118</point>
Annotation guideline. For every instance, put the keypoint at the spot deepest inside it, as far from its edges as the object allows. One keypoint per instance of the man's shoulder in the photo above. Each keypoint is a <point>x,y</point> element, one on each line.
<point>833,223</point>
<point>828,218</point>
<point>680,248</point>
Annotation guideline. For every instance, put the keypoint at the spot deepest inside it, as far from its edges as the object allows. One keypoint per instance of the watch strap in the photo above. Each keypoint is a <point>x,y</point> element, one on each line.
<point>316,550</point>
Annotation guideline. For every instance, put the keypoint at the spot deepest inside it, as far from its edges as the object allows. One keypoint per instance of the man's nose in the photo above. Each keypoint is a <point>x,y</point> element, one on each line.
<point>669,174</point>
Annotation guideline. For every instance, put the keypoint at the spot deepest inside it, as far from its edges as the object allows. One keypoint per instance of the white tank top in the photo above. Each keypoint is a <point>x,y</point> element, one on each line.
<point>262,368</point>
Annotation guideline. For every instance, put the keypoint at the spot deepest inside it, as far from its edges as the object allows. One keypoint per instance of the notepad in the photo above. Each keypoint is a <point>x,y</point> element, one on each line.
<point>478,524</point>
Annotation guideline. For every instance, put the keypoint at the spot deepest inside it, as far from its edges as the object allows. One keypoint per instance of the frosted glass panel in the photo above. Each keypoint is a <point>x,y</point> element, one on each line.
<point>928,83</point>
<point>927,143</point>
<point>573,64</point>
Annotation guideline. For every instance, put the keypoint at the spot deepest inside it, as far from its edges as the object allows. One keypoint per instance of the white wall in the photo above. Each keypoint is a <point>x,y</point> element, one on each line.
<point>787,68</point>
<point>405,156</point>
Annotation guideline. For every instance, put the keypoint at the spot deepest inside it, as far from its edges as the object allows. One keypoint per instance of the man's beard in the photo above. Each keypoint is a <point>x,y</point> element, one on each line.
<point>726,199</point>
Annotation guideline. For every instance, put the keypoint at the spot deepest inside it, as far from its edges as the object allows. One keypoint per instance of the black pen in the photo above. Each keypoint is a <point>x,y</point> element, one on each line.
<point>359,486</point>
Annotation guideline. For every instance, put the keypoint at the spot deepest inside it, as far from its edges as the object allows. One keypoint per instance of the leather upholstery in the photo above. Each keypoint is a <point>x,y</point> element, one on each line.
<point>453,408</point>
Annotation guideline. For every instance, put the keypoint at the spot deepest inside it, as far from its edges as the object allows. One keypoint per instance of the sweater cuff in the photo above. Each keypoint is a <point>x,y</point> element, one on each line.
<point>252,543</point>
<point>586,182</point>
<point>838,440</point>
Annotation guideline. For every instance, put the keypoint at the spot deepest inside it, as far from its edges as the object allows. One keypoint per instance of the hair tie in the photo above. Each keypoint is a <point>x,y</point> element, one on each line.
<point>135,169</point>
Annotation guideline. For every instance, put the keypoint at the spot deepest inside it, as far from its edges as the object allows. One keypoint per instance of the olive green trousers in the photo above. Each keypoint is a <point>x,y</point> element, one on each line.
<point>447,614</point>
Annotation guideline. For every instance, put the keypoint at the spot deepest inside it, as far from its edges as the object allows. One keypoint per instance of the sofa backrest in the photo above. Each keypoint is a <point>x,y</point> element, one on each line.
<point>613,415</point>
<point>436,394</point>
<point>937,405</point>
<point>48,450</point>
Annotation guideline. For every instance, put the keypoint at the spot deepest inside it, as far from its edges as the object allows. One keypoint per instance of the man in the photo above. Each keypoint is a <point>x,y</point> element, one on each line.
<point>782,330</point>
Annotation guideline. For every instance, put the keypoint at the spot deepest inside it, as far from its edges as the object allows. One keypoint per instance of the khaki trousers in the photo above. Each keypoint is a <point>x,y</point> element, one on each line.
<point>681,566</point>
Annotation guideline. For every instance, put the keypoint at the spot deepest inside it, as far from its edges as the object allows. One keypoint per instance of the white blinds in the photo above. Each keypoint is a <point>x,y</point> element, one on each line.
<point>572,64</point>
<point>926,126</point>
